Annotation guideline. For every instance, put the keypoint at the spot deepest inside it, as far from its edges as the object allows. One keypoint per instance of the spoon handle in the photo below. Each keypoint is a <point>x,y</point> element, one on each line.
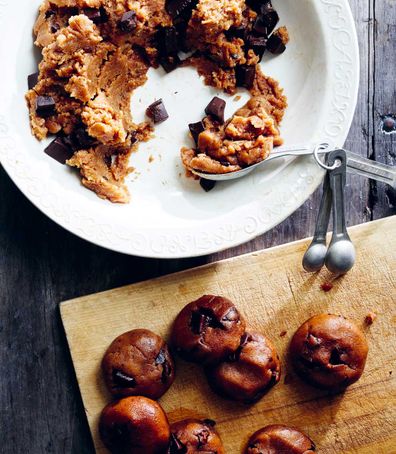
<point>322,221</point>
<point>337,184</point>
<point>371,169</point>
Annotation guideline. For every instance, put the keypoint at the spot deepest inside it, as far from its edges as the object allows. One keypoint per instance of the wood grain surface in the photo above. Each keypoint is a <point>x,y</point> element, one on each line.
<point>41,264</point>
<point>275,295</point>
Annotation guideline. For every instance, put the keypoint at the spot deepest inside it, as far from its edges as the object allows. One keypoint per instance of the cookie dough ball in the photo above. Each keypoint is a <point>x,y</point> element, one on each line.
<point>208,330</point>
<point>192,436</point>
<point>134,425</point>
<point>138,363</point>
<point>249,373</point>
<point>329,351</point>
<point>278,439</point>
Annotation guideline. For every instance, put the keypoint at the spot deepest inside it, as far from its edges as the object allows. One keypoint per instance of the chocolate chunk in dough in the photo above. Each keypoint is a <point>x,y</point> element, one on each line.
<point>196,129</point>
<point>245,76</point>
<point>266,22</point>
<point>81,139</point>
<point>157,112</point>
<point>180,8</point>
<point>216,109</point>
<point>59,151</point>
<point>257,43</point>
<point>45,106</point>
<point>275,44</point>
<point>257,5</point>
<point>170,63</point>
<point>168,41</point>
<point>128,22</point>
<point>207,185</point>
<point>96,15</point>
<point>32,80</point>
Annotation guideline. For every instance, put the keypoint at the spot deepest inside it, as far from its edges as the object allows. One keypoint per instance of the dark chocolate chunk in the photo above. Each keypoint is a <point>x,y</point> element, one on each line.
<point>176,446</point>
<point>198,322</point>
<point>266,21</point>
<point>275,44</point>
<point>209,422</point>
<point>256,5</point>
<point>122,380</point>
<point>49,13</point>
<point>59,150</point>
<point>128,22</point>
<point>81,139</point>
<point>196,129</point>
<point>180,8</point>
<point>216,108</point>
<point>236,32</point>
<point>157,112</point>
<point>181,28</point>
<point>55,28</point>
<point>245,76</point>
<point>94,14</point>
<point>168,41</point>
<point>45,106</point>
<point>166,372</point>
<point>170,63</point>
<point>32,80</point>
<point>207,185</point>
<point>257,43</point>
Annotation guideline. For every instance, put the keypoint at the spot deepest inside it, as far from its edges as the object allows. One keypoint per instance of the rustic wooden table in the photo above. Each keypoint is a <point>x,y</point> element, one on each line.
<point>41,264</point>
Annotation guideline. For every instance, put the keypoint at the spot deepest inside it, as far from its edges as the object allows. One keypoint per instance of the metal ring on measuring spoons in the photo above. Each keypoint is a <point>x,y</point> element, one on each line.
<point>323,146</point>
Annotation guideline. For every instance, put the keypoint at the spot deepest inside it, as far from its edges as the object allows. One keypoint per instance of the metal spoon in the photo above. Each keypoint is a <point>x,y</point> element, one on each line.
<point>314,257</point>
<point>341,254</point>
<point>280,152</point>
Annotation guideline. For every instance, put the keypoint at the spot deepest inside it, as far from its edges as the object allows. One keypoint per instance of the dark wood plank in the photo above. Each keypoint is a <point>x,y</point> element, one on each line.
<point>41,264</point>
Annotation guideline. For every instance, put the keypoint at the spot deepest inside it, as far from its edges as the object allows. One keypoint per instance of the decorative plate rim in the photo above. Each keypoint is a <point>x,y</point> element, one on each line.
<point>344,55</point>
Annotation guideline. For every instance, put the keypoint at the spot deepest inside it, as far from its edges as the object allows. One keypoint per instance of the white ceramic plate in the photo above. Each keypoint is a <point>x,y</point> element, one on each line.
<point>170,215</point>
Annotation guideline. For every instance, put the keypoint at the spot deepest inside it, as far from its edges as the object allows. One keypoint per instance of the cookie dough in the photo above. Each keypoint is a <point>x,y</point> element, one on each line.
<point>279,439</point>
<point>207,330</point>
<point>134,425</point>
<point>138,363</point>
<point>249,373</point>
<point>193,436</point>
<point>329,351</point>
<point>97,52</point>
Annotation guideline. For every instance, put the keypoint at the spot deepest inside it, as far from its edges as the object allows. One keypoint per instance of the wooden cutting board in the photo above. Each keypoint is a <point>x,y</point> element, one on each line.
<point>275,294</point>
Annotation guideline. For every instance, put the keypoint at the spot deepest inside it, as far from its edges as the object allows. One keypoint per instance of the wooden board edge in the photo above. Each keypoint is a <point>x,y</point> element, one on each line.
<point>362,227</point>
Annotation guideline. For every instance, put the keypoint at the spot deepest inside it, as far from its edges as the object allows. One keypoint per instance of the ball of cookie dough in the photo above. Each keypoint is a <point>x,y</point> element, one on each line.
<point>134,425</point>
<point>329,351</point>
<point>192,436</point>
<point>138,363</point>
<point>278,439</point>
<point>249,373</point>
<point>207,330</point>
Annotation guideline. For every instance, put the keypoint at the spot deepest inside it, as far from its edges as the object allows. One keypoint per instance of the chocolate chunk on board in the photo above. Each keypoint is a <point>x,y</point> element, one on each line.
<point>245,76</point>
<point>32,80</point>
<point>59,151</point>
<point>196,129</point>
<point>275,44</point>
<point>207,185</point>
<point>170,63</point>
<point>128,22</point>
<point>45,106</point>
<point>216,109</point>
<point>157,112</point>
